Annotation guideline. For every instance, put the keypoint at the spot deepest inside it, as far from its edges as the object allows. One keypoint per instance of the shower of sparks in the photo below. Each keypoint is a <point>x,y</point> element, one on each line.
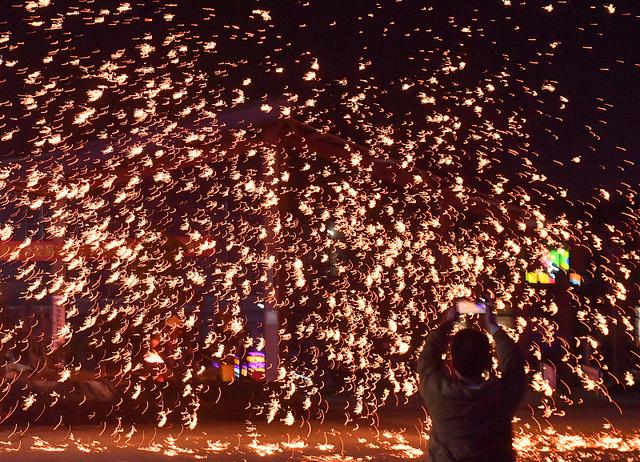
<point>159,173</point>
<point>549,444</point>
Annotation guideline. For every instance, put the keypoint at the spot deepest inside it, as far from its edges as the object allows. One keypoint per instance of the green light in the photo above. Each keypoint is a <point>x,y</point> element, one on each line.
<point>559,258</point>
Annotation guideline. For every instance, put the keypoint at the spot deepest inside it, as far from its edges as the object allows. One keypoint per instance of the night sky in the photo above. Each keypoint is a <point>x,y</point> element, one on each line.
<point>594,64</point>
<point>585,51</point>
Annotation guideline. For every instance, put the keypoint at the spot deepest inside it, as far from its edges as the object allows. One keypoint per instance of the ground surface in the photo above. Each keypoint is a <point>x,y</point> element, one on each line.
<point>594,434</point>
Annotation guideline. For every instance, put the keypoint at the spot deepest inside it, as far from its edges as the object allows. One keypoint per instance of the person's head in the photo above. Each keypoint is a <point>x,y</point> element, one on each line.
<point>470,353</point>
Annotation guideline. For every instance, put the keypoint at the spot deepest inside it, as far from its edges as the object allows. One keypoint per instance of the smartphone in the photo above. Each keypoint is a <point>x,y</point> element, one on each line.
<point>469,307</point>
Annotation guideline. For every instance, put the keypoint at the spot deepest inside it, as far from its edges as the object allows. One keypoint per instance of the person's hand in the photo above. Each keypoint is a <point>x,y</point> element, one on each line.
<point>490,320</point>
<point>451,315</point>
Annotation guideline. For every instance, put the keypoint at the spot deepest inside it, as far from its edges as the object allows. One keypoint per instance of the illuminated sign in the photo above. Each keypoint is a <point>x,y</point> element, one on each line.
<point>575,279</point>
<point>553,261</point>
<point>236,367</point>
<point>557,259</point>
<point>256,365</point>
<point>256,361</point>
<point>539,277</point>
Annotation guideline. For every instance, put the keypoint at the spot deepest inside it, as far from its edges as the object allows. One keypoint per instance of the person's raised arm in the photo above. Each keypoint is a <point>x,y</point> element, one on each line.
<point>510,361</point>
<point>430,364</point>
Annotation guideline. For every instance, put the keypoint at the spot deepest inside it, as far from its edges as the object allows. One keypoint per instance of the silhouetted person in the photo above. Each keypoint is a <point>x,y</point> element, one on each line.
<point>471,412</point>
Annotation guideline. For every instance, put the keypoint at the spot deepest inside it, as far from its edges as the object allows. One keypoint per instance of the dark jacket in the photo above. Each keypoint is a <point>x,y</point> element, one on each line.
<point>470,423</point>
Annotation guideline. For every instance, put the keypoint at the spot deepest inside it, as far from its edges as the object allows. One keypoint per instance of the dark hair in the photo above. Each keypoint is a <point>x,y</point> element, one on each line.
<point>470,353</point>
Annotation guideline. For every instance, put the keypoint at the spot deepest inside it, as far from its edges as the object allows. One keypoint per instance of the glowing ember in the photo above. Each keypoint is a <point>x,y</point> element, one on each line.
<point>153,358</point>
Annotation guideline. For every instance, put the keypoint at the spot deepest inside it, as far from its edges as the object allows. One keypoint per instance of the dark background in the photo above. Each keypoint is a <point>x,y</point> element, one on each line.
<point>595,65</point>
